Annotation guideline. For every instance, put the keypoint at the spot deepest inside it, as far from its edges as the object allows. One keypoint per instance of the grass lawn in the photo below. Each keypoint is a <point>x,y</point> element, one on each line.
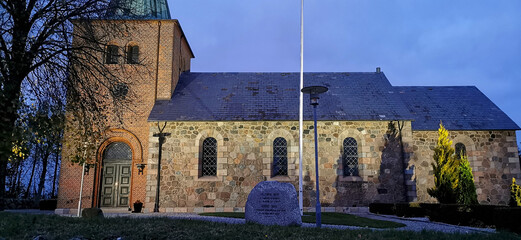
<point>329,218</point>
<point>28,226</point>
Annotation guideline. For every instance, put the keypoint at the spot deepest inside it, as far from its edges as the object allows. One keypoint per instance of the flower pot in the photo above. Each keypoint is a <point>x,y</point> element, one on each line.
<point>137,207</point>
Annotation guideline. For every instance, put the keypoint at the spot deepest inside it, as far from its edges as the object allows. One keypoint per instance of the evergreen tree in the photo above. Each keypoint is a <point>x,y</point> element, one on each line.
<point>445,166</point>
<point>466,188</point>
<point>515,194</point>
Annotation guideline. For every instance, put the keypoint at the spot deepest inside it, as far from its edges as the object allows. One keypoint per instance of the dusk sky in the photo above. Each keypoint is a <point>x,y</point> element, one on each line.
<point>425,43</point>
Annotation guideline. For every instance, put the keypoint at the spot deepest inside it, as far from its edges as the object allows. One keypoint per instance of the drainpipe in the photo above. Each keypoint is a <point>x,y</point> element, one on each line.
<point>157,57</point>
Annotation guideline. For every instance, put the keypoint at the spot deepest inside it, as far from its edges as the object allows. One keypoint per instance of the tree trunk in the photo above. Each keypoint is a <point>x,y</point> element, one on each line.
<point>9,103</point>
<point>32,172</point>
<point>45,161</point>
<point>56,162</point>
<point>19,180</point>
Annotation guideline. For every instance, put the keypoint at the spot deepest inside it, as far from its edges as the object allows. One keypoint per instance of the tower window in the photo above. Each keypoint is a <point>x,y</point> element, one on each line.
<point>111,54</point>
<point>350,157</point>
<point>280,157</point>
<point>133,54</point>
<point>209,157</point>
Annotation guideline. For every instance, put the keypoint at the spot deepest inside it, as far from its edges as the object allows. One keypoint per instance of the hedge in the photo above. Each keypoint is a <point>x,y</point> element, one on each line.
<point>501,217</point>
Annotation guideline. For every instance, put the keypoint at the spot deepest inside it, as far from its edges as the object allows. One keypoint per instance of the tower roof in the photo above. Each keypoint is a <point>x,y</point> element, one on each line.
<point>138,9</point>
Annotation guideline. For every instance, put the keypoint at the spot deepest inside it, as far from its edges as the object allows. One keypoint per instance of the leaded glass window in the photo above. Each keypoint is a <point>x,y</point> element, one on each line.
<point>112,54</point>
<point>350,157</point>
<point>133,54</point>
<point>461,150</point>
<point>280,157</point>
<point>209,157</point>
<point>117,151</point>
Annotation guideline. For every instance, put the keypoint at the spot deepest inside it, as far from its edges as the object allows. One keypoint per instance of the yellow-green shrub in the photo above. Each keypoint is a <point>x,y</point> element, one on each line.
<point>515,194</point>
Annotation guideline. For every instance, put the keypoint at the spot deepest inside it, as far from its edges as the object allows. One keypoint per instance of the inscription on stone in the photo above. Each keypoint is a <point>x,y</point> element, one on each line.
<point>273,203</point>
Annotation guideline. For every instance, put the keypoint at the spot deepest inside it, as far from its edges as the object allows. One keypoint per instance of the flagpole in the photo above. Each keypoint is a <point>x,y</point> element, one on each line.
<point>301,108</point>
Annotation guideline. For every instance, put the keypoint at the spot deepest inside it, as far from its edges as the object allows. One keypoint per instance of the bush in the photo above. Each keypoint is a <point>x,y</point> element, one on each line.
<point>515,194</point>
<point>382,208</point>
<point>91,213</point>
<point>507,218</point>
<point>48,204</point>
<point>445,167</point>
<point>450,213</point>
<point>409,210</point>
<point>466,189</point>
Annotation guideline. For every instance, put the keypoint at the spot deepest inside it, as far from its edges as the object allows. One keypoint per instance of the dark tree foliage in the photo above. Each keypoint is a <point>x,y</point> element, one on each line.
<point>39,58</point>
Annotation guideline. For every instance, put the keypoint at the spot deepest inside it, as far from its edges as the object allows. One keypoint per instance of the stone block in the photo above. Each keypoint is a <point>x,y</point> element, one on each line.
<point>273,203</point>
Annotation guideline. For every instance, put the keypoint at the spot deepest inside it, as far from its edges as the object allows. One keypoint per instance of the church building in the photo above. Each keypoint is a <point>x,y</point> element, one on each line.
<point>226,132</point>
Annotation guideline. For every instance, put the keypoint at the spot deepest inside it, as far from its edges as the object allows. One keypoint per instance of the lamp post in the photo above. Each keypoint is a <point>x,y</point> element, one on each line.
<point>162,136</point>
<point>313,92</point>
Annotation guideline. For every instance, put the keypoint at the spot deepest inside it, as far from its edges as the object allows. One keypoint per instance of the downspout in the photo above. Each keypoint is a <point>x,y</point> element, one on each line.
<point>157,57</point>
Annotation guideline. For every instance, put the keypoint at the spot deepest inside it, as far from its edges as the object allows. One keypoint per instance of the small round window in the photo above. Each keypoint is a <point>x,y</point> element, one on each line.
<point>120,90</point>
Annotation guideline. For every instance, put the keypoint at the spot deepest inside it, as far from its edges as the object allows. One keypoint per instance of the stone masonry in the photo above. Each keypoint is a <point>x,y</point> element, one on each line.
<point>245,158</point>
<point>492,156</point>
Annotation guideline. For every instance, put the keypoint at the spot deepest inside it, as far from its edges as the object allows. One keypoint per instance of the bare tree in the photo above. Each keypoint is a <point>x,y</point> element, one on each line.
<point>50,49</point>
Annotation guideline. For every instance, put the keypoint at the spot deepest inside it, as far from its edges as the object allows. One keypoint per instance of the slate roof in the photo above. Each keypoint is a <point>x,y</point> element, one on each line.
<point>460,108</point>
<point>275,96</point>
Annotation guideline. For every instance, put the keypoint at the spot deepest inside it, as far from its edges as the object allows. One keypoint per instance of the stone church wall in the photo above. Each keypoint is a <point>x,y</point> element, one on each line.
<point>492,156</point>
<point>245,158</point>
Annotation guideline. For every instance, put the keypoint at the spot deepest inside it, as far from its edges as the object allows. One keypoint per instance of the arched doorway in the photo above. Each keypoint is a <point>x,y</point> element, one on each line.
<point>116,175</point>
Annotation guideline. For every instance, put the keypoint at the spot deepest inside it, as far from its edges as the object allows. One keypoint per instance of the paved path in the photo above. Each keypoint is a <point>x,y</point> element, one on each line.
<point>412,224</point>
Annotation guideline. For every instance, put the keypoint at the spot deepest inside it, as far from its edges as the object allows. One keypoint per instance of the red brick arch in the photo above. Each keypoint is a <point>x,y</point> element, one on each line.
<point>111,136</point>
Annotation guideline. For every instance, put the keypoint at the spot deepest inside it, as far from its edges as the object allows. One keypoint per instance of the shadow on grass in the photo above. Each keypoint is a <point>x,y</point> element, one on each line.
<point>327,218</point>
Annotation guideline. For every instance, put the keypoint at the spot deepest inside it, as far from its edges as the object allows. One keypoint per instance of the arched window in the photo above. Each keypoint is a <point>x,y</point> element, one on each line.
<point>111,54</point>
<point>461,150</point>
<point>209,157</point>
<point>133,54</point>
<point>280,157</point>
<point>117,151</point>
<point>350,157</point>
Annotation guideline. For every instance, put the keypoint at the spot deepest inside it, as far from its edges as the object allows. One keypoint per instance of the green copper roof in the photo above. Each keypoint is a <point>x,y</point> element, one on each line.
<point>138,9</point>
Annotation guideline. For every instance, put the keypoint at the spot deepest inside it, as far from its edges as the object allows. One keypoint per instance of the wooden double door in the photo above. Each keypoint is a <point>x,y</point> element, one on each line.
<point>115,184</point>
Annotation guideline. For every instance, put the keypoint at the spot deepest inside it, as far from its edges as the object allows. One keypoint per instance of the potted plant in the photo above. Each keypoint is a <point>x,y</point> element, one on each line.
<point>138,205</point>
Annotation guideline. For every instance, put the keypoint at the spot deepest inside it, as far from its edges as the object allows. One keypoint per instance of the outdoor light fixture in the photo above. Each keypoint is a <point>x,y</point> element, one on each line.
<point>162,137</point>
<point>87,168</point>
<point>140,168</point>
<point>313,92</point>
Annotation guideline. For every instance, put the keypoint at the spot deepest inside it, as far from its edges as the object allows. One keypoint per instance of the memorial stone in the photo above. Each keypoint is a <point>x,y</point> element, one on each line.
<point>273,203</point>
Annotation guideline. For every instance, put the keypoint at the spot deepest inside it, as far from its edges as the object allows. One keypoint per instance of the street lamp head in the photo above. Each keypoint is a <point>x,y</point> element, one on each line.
<point>313,92</point>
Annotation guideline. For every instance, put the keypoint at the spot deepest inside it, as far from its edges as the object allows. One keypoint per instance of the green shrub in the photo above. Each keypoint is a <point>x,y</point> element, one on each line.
<point>382,208</point>
<point>515,194</point>
<point>507,218</point>
<point>409,210</point>
<point>48,204</point>
<point>466,189</point>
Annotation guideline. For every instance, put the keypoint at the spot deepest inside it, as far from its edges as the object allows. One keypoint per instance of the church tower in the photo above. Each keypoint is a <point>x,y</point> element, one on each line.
<point>149,55</point>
